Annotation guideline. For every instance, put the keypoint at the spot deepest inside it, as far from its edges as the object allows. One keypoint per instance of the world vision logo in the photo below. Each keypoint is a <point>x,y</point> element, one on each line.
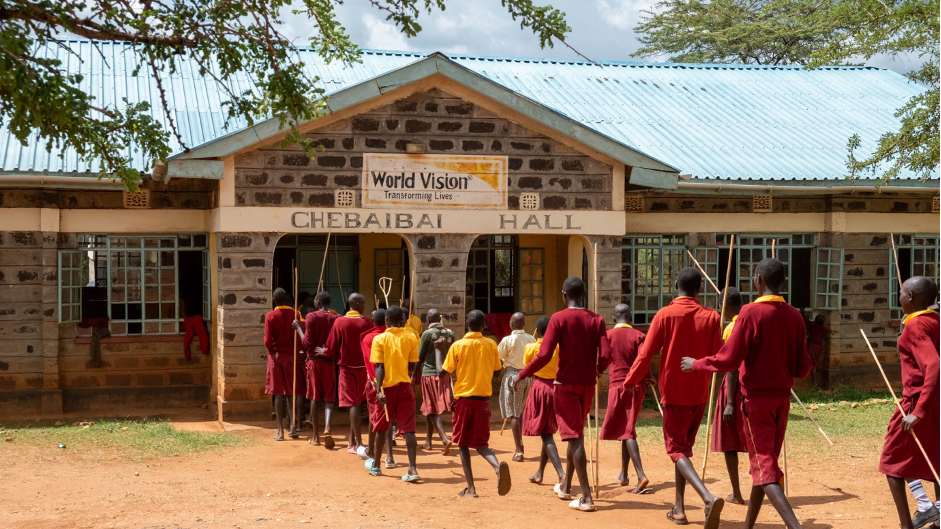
<point>434,181</point>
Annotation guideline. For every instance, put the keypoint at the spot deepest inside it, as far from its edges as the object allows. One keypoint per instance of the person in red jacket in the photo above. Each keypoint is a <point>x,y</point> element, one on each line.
<point>767,347</point>
<point>581,336</point>
<point>624,404</point>
<point>344,345</point>
<point>683,328</point>
<point>319,373</point>
<point>280,342</point>
<point>902,460</point>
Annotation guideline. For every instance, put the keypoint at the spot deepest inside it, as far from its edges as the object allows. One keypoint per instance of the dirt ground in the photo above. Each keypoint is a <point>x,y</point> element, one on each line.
<point>292,484</point>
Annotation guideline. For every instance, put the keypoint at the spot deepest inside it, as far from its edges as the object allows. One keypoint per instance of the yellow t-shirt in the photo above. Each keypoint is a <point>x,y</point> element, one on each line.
<point>549,370</point>
<point>473,360</point>
<point>728,329</point>
<point>394,349</point>
<point>414,324</point>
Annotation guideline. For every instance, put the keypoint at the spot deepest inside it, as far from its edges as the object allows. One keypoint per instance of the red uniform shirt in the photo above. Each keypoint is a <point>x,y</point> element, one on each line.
<point>279,333</point>
<point>767,347</point>
<point>344,340</point>
<point>918,349</point>
<point>581,336</point>
<point>366,345</point>
<point>318,325</point>
<point>682,328</point>
<point>625,344</point>
<point>816,332</point>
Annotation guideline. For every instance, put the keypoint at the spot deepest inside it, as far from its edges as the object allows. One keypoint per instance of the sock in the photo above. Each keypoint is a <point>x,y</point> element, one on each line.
<point>918,491</point>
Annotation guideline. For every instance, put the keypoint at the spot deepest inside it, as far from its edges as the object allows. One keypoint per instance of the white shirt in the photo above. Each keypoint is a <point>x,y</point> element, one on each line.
<point>511,348</point>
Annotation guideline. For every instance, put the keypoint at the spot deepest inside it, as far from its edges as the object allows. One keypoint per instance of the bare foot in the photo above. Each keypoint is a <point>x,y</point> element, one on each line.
<point>447,448</point>
<point>536,478</point>
<point>737,500</point>
<point>467,493</point>
<point>518,457</point>
<point>426,446</point>
<point>278,436</point>
<point>623,482</point>
<point>315,440</point>
<point>641,487</point>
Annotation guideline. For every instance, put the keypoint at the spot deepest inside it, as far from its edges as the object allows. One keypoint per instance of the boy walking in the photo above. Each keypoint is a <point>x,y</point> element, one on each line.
<point>767,346</point>
<point>279,341</point>
<point>395,353</point>
<point>435,382</point>
<point>539,414</point>
<point>320,371</point>
<point>343,344</point>
<point>727,432</point>
<point>374,409</point>
<point>624,403</point>
<point>683,328</point>
<point>513,396</point>
<point>581,337</point>
<point>473,360</point>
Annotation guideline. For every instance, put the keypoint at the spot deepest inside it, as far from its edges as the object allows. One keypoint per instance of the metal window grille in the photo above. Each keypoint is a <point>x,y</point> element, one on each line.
<point>750,249</point>
<point>529,201</point>
<point>138,200</point>
<point>828,279</point>
<point>761,204</point>
<point>139,274</point>
<point>491,270</point>
<point>345,198</point>
<point>649,265</point>
<point>532,281</point>
<point>634,203</point>
<point>918,256</point>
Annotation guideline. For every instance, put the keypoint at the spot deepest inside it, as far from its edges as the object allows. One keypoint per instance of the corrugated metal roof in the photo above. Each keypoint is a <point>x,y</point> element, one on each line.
<point>739,122</point>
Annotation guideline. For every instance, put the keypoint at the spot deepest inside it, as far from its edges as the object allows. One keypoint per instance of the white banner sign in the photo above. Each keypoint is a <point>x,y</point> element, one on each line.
<point>434,181</point>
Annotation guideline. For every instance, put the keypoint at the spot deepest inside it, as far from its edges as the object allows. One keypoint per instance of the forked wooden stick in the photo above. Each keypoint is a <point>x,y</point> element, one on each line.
<point>899,405</point>
<point>385,285</point>
<point>712,387</point>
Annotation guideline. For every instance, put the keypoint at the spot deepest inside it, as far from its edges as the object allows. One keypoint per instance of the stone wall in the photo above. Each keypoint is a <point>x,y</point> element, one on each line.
<point>565,179</point>
<point>860,202</point>
<point>178,194</point>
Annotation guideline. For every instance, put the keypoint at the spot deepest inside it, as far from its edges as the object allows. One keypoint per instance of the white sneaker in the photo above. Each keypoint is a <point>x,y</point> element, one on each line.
<point>361,452</point>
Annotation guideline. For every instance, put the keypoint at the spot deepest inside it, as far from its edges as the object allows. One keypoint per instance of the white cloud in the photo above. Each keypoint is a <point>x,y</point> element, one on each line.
<point>382,35</point>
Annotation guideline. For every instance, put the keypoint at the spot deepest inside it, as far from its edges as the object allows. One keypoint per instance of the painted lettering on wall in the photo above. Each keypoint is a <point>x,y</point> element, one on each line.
<point>514,222</point>
<point>434,181</point>
<point>451,222</point>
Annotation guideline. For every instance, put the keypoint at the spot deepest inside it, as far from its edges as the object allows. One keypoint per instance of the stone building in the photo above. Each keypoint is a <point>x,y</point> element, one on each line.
<point>473,183</point>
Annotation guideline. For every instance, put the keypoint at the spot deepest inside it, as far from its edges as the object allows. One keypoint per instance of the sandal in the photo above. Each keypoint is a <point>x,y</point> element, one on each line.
<point>447,448</point>
<point>623,483</point>
<point>641,487</point>
<point>503,482</point>
<point>677,521</point>
<point>411,478</point>
<point>712,513</point>
<point>562,495</point>
<point>328,442</point>
<point>579,506</point>
<point>372,468</point>
<point>392,464</point>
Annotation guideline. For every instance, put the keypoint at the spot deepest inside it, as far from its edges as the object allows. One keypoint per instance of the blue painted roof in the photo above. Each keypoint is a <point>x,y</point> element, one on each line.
<point>738,122</point>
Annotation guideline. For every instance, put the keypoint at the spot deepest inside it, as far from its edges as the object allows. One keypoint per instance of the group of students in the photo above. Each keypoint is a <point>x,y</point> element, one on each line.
<point>762,351</point>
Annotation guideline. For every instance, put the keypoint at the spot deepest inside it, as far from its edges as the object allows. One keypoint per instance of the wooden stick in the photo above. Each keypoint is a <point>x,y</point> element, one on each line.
<point>809,416</point>
<point>597,433</point>
<point>656,398</point>
<point>591,457</point>
<point>336,259</point>
<point>385,285</point>
<point>784,450</point>
<point>411,298</point>
<point>504,424</point>
<point>898,271</point>
<point>294,334</point>
<point>712,387</point>
<point>385,407</point>
<point>899,405</point>
<point>402,292</point>
<point>701,271</point>
<point>773,256</point>
<point>323,265</point>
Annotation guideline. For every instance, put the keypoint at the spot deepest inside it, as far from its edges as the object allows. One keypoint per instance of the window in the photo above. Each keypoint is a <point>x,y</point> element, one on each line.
<point>139,284</point>
<point>918,256</point>
<point>532,281</point>
<point>828,284</point>
<point>492,273</point>
<point>649,266</point>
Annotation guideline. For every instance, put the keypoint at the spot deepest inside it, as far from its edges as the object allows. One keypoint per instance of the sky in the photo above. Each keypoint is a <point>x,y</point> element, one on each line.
<point>601,30</point>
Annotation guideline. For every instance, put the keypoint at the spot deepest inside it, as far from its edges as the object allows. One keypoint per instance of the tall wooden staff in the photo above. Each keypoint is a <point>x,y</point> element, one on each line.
<point>784,442</point>
<point>899,405</point>
<point>895,254</point>
<point>597,433</point>
<point>712,386</point>
<point>336,259</point>
<point>294,334</point>
<point>323,265</point>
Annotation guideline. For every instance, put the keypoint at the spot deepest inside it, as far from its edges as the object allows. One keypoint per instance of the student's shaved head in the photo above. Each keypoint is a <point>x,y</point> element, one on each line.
<point>517,321</point>
<point>432,316</point>
<point>773,273</point>
<point>574,287</point>
<point>395,316</point>
<point>689,281</point>
<point>407,304</point>
<point>281,297</point>
<point>622,313</point>
<point>357,302</point>
<point>475,321</point>
<point>379,317</point>
<point>917,293</point>
<point>542,324</point>
<point>323,299</point>
<point>733,298</point>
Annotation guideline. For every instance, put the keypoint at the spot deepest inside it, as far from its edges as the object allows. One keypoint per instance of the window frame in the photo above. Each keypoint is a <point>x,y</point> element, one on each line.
<point>102,250</point>
<point>900,243</point>
<point>671,242</point>
<point>532,282</point>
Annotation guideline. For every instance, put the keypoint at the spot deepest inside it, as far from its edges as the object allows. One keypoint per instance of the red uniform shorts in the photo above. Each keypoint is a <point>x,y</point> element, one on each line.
<point>621,417</point>
<point>377,414</point>
<point>352,386</point>
<point>321,380</point>
<point>901,457</point>
<point>400,399</point>
<point>572,403</point>
<point>279,376</point>
<point>435,394</point>
<point>539,413</point>
<point>471,423</point>
<point>765,421</point>
<point>680,425</point>
<point>728,437</point>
